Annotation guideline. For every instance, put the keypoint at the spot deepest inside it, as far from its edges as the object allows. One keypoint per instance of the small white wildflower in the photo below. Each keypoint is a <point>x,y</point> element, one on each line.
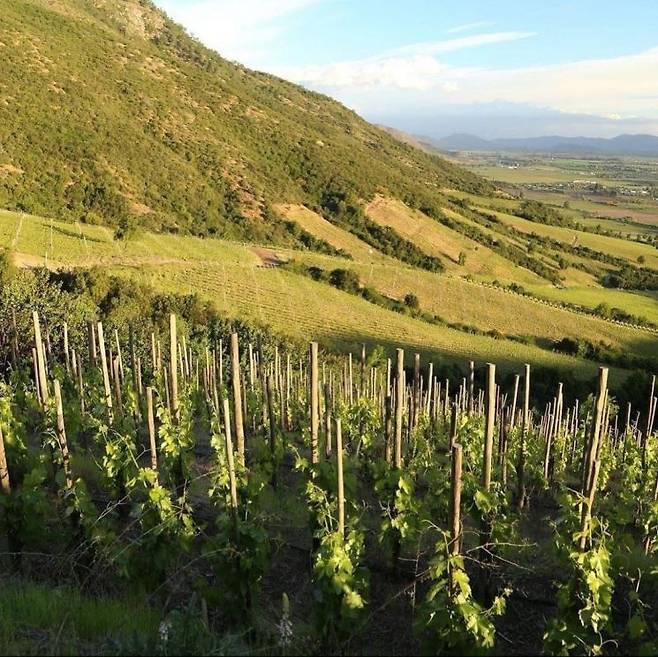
<point>285,626</point>
<point>163,631</point>
<point>285,632</point>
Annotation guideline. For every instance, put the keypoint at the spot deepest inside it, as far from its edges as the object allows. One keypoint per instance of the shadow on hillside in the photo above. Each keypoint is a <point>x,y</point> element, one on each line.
<point>75,235</point>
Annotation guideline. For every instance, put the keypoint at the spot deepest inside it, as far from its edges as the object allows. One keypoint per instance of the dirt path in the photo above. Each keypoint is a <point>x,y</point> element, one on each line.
<point>29,260</point>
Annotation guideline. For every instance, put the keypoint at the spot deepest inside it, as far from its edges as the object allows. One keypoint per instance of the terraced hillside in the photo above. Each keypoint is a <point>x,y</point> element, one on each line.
<point>250,282</point>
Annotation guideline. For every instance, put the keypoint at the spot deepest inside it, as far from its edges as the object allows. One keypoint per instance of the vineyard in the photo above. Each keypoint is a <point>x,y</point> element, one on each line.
<point>182,486</point>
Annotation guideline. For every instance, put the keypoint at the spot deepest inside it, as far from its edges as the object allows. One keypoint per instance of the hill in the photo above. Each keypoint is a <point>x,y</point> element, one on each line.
<point>110,112</point>
<point>640,145</point>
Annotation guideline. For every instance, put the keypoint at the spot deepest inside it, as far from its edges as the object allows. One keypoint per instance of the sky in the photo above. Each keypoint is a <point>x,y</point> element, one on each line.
<point>496,69</point>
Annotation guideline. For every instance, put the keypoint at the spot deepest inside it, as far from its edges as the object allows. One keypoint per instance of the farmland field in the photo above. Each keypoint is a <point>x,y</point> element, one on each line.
<point>235,278</point>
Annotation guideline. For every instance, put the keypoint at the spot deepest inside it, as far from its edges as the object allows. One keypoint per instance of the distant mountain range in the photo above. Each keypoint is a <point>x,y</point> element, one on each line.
<point>639,145</point>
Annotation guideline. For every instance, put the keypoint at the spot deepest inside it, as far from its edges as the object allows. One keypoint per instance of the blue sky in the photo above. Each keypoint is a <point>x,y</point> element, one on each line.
<point>571,66</point>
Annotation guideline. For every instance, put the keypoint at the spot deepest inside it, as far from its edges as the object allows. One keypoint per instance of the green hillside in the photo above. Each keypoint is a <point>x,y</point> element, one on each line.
<point>110,112</point>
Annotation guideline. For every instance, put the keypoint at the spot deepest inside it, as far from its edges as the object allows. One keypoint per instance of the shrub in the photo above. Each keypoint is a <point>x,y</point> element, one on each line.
<point>7,267</point>
<point>345,279</point>
<point>411,301</point>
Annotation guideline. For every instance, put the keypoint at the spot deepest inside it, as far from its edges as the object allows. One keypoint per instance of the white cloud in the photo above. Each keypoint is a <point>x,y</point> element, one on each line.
<point>622,86</point>
<point>468,26</point>
<point>451,45</point>
<point>411,78</point>
<point>409,67</point>
<point>417,72</point>
<point>242,30</point>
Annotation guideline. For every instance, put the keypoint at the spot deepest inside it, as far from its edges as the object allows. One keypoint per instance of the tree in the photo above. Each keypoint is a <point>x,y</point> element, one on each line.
<point>462,258</point>
<point>411,301</point>
<point>127,229</point>
<point>345,279</point>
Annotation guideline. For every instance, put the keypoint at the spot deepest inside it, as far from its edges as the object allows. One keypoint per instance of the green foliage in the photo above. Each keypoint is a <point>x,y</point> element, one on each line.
<point>411,301</point>
<point>451,621</point>
<point>175,137</point>
<point>167,530</point>
<point>127,229</point>
<point>176,439</point>
<point>585,597</point>
<point>239,550</point>
<point>541,213</point>
<point>7,267</point>
<point>400,506</point>
<point>339,206</point>
<point>339,585</point>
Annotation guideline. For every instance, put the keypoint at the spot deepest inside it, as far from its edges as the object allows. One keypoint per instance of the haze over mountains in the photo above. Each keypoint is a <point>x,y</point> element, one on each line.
<point>638,145</point>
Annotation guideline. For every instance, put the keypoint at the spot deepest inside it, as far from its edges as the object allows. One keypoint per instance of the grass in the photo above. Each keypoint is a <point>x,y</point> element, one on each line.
<point>319,227</point>
<point>487,308</point>
<point>640,304</point>
<point>299,307</point>
<point>39,619</point>
<point>233,277</point>
<point>438,240</point>
<point>540,174</point>
<point>611,245</point>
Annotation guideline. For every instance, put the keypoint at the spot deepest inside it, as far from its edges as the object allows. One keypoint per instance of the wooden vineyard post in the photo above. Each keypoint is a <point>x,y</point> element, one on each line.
<point>350,381</point>
<point>388,429</point>
<point>91,341</point>
<point>454,418</point>
<point>42,382</point>
<point>151,424</point>
<point>263,374</point>
<point>489,425</point>
<point>173,369</point>
<point>586,514</point>
<point>471,387</point>
<point>67,356</point>
<point>230,457</point>
<point>106,375</point>
<point>455,500</point>
<point>514,401</point>
<point>61,436</point>
<point>271,420</point>
<point>237,396</point>
<point>647,431</point>
<point>415,392</point>
<point>362,382</point>
<point>327,418</point>
<point>5,483</point>
<point>117,387</point>
<point>119,357</point>
<point>399,404</point>
<point>520,468</point>
<point>339,474</point>
<point>154,356</point>
<point>314,403</point>
<point>595,431</point>
<point>430,391</point>
<point>135,367</point>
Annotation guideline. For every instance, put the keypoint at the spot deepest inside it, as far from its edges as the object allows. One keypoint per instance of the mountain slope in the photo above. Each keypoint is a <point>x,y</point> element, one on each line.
<point>109,112</point>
